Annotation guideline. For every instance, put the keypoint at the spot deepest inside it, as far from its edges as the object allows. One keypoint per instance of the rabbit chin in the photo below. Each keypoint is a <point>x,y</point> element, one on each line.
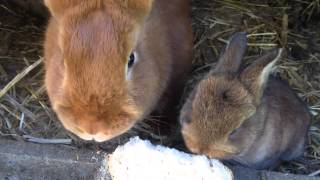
<point>219,154</point>
<point>97,137</point>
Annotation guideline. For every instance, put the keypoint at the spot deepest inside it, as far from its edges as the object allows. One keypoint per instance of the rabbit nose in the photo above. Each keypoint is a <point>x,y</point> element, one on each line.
<point>93,129</point>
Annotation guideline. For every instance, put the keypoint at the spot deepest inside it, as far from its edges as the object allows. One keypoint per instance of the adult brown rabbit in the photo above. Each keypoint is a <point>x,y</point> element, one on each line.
<point>245,116</point>
<point>110,63</point>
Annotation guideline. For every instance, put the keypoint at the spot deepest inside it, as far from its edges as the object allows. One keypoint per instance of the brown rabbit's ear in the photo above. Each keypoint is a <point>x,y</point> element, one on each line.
<point>256,75</point>
<point>231,59</point>
<point>57,8</point>
<point>136,8</point>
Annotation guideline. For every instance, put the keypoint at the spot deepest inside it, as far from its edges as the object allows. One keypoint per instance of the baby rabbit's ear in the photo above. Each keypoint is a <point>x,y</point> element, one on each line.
<point>256,75</point>
<point>231,59</point>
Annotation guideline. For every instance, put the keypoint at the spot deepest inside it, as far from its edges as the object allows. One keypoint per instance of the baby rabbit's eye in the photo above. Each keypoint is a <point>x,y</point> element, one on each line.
<point>131,60</point>
<point>233,133</point>
<point>225,96</point>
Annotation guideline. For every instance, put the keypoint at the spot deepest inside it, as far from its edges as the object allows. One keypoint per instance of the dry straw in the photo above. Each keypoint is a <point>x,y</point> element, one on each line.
<point>25,112</point>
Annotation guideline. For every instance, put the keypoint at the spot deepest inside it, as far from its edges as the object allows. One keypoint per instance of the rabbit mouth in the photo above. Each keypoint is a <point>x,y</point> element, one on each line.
<point>101,135</point>
<point>220,151</point>
<point>97,137</point>
<point>219,154</point>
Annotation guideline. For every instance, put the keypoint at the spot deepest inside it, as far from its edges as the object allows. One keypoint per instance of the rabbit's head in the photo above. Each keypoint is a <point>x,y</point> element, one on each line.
<point>213,115</point>
<point>96,42</point>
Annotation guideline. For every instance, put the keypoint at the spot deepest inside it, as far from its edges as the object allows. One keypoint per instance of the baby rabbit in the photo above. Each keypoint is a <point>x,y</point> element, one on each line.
<point>110,63</point>
<point>245,116</point>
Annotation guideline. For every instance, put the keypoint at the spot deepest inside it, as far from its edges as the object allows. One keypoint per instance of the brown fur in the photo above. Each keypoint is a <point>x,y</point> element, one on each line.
<point>243,116</point>
<point>86,54</point>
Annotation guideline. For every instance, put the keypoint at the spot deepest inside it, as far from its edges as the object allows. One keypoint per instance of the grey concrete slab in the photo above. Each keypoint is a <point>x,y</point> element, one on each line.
<point>280,176</point>
<point>242,173</point>
<point>21,160</point>
<point>29,161</point>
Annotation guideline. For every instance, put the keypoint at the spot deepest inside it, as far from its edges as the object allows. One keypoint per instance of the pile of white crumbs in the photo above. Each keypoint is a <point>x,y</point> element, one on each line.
<point>140,160</point>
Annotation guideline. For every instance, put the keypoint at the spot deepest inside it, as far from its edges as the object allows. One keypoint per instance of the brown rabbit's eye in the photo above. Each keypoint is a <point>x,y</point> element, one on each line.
<point>185,120</point>
<point>131,60</point>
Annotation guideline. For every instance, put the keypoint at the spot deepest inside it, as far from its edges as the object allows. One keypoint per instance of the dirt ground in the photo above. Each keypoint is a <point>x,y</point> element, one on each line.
<point>25,112</point>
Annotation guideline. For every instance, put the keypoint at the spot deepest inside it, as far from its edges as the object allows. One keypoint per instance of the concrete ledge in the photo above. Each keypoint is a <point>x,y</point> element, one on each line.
<point>242,173</point>
<point>22,160</point>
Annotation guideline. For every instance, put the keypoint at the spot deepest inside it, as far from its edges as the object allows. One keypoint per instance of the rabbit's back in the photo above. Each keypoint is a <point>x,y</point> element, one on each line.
<point>294,114</point>
<point>278,129</point>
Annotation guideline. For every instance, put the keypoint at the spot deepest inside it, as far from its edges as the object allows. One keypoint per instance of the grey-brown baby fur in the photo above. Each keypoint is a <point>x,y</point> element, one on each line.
<point>245,117</point>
